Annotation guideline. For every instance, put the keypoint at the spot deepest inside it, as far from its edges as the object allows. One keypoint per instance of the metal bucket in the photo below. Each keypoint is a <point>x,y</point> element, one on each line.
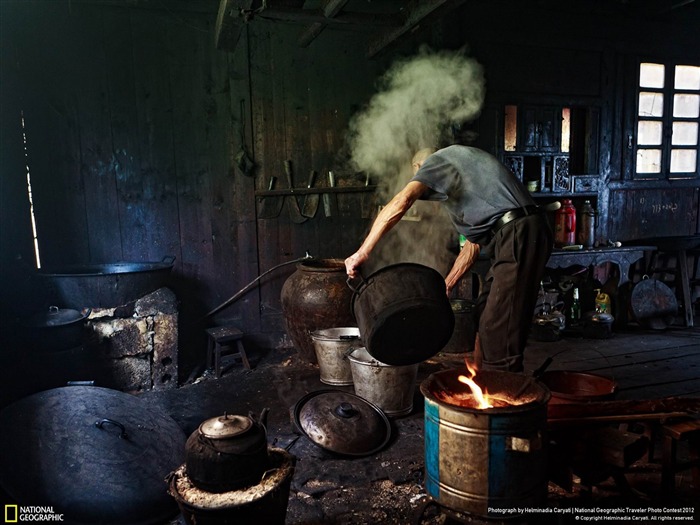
<point>331,346</point>
<point>389,387</point>
<point>403,313</point>
<point>480,460</point>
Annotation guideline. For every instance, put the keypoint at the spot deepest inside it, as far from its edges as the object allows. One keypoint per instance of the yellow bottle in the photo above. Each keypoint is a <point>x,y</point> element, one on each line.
<point>602,303</point>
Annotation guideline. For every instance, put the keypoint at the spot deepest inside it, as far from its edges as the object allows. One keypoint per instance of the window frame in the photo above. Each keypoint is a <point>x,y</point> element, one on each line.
<point>666,119</point>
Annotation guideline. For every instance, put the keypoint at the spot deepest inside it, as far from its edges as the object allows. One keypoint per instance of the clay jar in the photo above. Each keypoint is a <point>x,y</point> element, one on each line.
<point>314,297</point>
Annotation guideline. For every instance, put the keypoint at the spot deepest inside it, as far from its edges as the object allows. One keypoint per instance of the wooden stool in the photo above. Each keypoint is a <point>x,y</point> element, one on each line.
<point>224,341</point>
<point>673,433</point>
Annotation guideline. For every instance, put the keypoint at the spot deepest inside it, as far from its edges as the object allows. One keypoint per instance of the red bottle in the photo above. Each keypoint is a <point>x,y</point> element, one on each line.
<point>565,224</point>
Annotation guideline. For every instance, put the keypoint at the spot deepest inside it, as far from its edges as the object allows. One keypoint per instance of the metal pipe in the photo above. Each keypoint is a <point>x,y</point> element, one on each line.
<point>250,285</point>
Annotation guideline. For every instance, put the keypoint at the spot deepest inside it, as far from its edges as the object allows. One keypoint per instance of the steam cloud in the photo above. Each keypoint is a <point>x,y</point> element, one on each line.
<point>420,100</point>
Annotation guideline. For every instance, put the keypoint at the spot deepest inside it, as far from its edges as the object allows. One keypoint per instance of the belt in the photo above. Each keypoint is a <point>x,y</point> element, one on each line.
<point>515,213</point>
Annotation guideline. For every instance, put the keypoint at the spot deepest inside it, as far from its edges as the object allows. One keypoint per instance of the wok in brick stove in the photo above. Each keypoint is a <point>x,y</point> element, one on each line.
<point>485,443</point>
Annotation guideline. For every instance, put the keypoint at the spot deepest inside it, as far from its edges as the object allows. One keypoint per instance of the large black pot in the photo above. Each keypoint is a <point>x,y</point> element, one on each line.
<point>106,285</point>
<point>403,313</point>
<point>56,329</point>
<point>227,453</point>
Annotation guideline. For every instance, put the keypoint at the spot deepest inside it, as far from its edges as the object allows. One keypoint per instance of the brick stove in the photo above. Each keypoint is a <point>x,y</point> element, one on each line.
<point>134,347</point>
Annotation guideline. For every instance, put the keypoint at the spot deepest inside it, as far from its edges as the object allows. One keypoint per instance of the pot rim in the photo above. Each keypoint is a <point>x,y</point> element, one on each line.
<point>115,268</point>
<point>541,399</point>
<point>341,334</point>
<point>322,265</point>
<point>42,320</point>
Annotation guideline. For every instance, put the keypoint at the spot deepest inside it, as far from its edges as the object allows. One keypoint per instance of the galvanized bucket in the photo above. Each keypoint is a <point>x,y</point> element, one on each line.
<point>389,387</point>
<point>331,346</point>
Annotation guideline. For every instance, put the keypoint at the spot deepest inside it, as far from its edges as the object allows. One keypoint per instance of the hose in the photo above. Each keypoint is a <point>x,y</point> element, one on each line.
<point>250,285</point>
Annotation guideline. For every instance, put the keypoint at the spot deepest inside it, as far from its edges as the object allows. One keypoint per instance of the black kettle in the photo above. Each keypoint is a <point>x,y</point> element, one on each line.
<point>228,452</point>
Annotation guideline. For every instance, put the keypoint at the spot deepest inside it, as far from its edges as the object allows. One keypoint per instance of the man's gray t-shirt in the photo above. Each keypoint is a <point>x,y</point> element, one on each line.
<point>474,186</point>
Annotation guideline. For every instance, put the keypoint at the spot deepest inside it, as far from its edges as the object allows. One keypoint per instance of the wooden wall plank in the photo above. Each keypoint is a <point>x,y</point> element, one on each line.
<point>97,162</point>
<point>149,197</point>
<point>119,50</point>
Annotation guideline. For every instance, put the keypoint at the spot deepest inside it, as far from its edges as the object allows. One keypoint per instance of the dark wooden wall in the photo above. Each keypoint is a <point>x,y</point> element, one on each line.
<point>134,121</point>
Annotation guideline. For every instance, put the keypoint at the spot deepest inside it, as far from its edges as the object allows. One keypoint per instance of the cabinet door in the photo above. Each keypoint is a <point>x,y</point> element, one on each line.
<point>541,128</point>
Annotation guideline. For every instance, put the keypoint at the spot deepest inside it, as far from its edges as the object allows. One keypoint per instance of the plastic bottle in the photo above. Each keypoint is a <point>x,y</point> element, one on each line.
<point>565,224</point>
<point>586,234</point>
<point>602,303</point>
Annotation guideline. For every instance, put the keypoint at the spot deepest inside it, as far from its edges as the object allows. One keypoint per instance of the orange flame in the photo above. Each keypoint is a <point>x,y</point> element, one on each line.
<point>481,396</point>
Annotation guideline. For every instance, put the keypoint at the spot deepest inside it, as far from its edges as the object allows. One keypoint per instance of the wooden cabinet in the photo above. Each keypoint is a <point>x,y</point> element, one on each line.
<point>541,173</point>
<point>550,147</point>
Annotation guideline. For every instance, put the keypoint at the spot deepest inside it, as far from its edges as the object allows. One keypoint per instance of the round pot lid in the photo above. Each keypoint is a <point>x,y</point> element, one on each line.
<point>342,422</point>
<point>55,316</point>
<point>94,454</point>
<point>226,426</point>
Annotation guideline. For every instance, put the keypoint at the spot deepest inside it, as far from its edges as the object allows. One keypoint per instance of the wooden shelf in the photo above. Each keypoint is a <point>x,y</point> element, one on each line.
<point>308,191</point>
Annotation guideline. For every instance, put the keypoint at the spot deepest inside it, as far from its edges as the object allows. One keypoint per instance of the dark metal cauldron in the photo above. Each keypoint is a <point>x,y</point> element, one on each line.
<point>403,313</point>
<point>228,452</point>
<point>56,329</point>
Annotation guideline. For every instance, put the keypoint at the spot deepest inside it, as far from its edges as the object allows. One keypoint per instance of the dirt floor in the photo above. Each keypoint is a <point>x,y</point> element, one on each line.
<point>388,487</point>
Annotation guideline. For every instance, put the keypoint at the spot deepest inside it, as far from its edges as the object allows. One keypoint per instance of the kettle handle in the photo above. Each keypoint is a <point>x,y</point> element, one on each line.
<point>262,418</point>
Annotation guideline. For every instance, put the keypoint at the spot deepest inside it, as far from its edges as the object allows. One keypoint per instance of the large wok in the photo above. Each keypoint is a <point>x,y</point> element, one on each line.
<point>105,285</point>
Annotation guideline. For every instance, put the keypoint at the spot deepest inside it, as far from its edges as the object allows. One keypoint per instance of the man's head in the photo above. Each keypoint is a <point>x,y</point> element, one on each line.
<point>419,158</point>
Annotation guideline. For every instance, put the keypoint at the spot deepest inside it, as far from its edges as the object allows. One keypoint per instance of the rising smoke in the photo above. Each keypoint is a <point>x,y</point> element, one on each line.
<point>419,101</point>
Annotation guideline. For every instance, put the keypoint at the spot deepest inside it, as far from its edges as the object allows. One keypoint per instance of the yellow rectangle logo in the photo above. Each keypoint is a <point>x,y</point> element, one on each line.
<point>10,511</point>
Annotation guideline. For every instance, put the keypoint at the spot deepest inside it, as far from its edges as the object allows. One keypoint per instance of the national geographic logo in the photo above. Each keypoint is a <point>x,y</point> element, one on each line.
<point>17,514</point>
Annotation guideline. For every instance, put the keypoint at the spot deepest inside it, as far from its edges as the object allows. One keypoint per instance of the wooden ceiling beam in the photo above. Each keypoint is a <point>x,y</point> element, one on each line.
<point>364,21</point>
<point>416,12</point>
<point>230,21</point>
<point>330,9</point>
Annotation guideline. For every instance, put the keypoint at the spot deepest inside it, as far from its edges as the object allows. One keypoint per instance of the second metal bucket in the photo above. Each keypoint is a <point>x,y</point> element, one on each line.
<point>389,387</point>
<point>331,346</point>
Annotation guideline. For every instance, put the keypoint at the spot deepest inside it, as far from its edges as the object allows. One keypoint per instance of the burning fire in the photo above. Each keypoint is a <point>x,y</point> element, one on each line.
<point>480,395</point>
